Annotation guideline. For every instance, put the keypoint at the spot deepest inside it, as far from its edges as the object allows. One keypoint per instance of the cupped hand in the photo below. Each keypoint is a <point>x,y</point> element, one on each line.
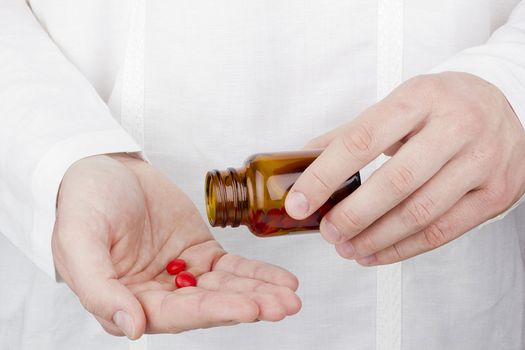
<point>458,159</point>
<point>120,221</point>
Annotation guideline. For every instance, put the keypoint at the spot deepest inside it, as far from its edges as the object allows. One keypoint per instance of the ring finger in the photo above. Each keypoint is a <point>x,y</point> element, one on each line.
<point>416,162</point>
<point>416,212</point>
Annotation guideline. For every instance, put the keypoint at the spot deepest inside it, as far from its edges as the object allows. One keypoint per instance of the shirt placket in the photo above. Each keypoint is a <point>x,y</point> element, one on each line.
<point>389,75</point>
<point>132,95</point>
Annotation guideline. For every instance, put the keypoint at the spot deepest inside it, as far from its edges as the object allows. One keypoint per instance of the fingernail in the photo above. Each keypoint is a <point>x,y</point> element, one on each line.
<point>330,232</point>
<point>367,260</point>
<point>123,321</point>
<point>347,249</point>
<point>297,205</point>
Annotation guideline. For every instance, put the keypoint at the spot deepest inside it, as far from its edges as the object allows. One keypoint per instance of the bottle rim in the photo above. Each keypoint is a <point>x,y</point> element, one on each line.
<point>210,197</point>
<point>225,197</point>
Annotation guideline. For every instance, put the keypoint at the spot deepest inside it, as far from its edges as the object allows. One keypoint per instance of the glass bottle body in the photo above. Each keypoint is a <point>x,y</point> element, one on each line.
<point>254,195</point>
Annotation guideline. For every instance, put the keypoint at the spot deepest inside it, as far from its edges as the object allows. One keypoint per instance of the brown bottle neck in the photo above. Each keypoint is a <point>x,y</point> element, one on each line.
<point>226,197</point>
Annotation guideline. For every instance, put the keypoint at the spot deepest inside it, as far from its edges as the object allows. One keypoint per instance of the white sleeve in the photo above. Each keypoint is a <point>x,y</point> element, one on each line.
<point>50,117</point>
<point>501,61</point>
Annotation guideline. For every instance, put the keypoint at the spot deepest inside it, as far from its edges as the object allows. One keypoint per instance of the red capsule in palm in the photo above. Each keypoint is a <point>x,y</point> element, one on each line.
<point>185,279</point>
<point>175,266</point>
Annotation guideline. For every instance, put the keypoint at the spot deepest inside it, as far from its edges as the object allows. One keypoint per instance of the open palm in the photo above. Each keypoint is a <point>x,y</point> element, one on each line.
<point>119,221</point>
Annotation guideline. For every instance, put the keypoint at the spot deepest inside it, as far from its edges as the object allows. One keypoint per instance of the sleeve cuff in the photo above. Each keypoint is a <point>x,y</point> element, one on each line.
<point>509,79</point>
<point>48,176</point>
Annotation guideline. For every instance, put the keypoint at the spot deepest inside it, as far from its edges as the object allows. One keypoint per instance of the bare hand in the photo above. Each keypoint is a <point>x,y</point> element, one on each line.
<point>458,160</point>
<point>119,221</point>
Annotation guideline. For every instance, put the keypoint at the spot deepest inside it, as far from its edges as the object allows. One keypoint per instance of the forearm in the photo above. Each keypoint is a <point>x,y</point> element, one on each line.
<point>501,62</point>
<point>50,117</point>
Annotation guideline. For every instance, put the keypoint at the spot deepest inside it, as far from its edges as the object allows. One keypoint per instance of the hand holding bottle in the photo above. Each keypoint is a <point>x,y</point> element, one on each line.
<point>458,159</point>
<point>119,221</point>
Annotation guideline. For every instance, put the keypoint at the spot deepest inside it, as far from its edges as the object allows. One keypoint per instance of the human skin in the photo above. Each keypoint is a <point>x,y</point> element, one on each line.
<point>120,221</point>
<point>458,159</point>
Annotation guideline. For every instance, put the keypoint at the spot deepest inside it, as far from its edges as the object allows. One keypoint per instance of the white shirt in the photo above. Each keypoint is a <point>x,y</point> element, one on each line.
<point>202,84</point>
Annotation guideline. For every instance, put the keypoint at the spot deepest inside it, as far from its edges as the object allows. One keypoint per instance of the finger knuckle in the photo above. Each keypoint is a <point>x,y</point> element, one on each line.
<point>396,252</point>
<point>202,305</point>
<point>393,254</point>
<point>324,185</point>
<point>499,196</point>
<point>390,255</point>
<point>467,119</point>
<point>417,212</point>
<point>359,142</point>
<point>400,180</point>
<point>88,301</point>
<point>425,86</point>
<point>402,106</point>
<point>435,236</point>
<point>315,142</point>
<point>471,113</point>
<point>482,159</point>
<point>366,245</point>
<point>353,221</point>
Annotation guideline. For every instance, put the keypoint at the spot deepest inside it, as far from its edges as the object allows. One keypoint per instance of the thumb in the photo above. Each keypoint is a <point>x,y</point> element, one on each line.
<point>83,260</point>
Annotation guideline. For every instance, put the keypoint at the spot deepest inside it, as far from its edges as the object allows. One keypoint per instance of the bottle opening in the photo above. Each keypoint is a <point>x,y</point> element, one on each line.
<point>226,198</point>
<point>211,199</point>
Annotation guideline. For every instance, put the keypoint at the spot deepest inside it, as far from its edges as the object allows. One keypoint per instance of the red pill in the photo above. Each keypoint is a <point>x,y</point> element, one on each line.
<point>274,215</point>
<point>185,279</point>
<point>175,266</point>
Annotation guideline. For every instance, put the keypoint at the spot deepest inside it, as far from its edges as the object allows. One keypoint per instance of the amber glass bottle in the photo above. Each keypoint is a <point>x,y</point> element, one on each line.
<point>254,194</point>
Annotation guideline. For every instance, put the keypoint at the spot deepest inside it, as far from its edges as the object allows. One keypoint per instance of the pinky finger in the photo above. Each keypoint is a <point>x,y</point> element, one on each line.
<point>466,214</point>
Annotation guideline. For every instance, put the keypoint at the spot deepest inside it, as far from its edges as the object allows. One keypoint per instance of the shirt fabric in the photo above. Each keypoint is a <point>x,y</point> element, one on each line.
<point>203,84</point>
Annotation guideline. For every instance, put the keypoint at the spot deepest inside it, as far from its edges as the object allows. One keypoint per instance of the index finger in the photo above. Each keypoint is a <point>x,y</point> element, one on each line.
<point>257,270</point>
<point>358,143</point>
